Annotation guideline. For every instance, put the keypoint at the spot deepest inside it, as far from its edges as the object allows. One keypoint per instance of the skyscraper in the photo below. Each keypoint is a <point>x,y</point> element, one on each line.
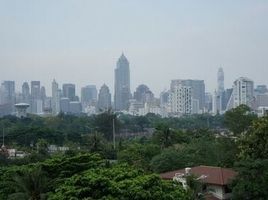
<point>88,95</point>
<point>35,96</point>
<point>55,102</point>
<point>220,80</point>
<point>8,98</point>
<point>25,93</point>
<point>9,91</point>
<point>68,90</point>
<point>104,100</point>
<point>122,84</point>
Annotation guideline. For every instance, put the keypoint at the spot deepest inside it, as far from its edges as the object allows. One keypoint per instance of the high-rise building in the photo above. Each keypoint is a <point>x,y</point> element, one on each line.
<point>88,95</point>
<point>8,95</point>
<point>197,92</point>
<point>35,89</point>
<point>181,100</point>
<point>55,101</point>
<point>9,91</point>
<point>65,105</point>
<point>122,84</point>
<point>26,96</point>
<point>35,97</point>
<point>68,91</point>
<point>243,92</point>
<point>104,100</point>
<point>220,81</point>
<point>143,94</point>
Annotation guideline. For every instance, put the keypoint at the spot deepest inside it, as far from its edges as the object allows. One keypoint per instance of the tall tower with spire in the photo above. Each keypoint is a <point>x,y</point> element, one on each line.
<point>122,84</point>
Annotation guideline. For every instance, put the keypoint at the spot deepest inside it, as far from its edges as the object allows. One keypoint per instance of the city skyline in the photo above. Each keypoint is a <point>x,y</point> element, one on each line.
<point>71,42</point>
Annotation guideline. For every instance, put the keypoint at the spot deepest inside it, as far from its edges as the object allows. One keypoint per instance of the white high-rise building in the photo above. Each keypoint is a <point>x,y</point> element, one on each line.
<point>181,100</point>
<point>243,92</point>
<point>55,103</point>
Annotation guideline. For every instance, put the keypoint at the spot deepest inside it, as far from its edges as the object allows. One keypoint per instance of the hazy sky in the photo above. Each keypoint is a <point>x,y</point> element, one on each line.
<point>79,41</point>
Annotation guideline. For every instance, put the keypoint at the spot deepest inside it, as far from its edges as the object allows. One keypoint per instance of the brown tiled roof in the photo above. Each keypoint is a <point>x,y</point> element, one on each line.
<point>215,175</point>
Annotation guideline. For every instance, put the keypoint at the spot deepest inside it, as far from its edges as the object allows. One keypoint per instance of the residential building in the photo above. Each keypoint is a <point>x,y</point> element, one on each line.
<point>181,100</point>
<point>215,180</point>
<point>243,92</point>
<point>197,91</point>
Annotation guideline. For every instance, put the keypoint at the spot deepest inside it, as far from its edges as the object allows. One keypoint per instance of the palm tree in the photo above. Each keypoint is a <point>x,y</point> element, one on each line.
<point>30,185</point>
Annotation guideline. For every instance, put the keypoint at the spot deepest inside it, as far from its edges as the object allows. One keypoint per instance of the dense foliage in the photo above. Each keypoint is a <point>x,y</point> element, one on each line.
<point>85,176</point>
<point>126,171</point>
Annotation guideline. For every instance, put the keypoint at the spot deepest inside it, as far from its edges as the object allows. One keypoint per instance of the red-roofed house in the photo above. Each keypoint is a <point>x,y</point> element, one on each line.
<point>215,179</point>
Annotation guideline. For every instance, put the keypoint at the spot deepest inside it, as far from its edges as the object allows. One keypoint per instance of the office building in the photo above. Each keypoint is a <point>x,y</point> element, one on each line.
<point>88,95</point>
<point>122,84</point>
<point>68,91</point>
<point>104,100</point>
<point>35,97</point>
<point>55,101</point>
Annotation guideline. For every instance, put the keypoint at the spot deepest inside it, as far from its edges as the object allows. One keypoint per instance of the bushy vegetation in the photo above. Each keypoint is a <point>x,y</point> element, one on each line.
<point>94,169</point>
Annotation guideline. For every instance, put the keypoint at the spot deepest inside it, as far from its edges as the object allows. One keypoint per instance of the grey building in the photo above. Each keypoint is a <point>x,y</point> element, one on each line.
<point>68,91</point>
<point>65,105</point>
<point>26,96</point>
<point>104,100</point>
<point>8,95</point>
<point>143,94</point>
<point>122,84</point>
<point>75,107</point>
<point>35,97</point>
<point>88,95</point>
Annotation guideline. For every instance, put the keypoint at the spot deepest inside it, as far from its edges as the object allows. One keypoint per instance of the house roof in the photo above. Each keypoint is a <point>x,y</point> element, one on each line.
<point>214,175</point>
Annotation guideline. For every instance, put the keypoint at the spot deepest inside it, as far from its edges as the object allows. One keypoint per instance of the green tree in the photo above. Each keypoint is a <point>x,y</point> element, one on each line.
<point>169,159</point>
<point>118,182</point>
<point>30,185</point>
<point>164,136</point>
<point>252,179</point>
<point>253,144</point>
<point>239,119</point>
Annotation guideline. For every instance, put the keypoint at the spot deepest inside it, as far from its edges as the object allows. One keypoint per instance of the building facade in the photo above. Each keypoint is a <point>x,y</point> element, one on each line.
<point>104,100</point>
<point>122,84</point>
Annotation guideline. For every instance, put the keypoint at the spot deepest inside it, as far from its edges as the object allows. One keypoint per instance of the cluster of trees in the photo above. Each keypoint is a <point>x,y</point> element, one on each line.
<point>175,143</point>
<point>84,176</point>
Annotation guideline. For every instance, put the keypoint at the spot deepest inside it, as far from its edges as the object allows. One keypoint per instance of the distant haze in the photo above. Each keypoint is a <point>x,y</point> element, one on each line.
<point>79,41</point>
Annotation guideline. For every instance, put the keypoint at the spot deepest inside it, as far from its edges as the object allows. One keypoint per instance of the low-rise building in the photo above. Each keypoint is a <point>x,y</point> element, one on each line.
<point>214,179</point>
